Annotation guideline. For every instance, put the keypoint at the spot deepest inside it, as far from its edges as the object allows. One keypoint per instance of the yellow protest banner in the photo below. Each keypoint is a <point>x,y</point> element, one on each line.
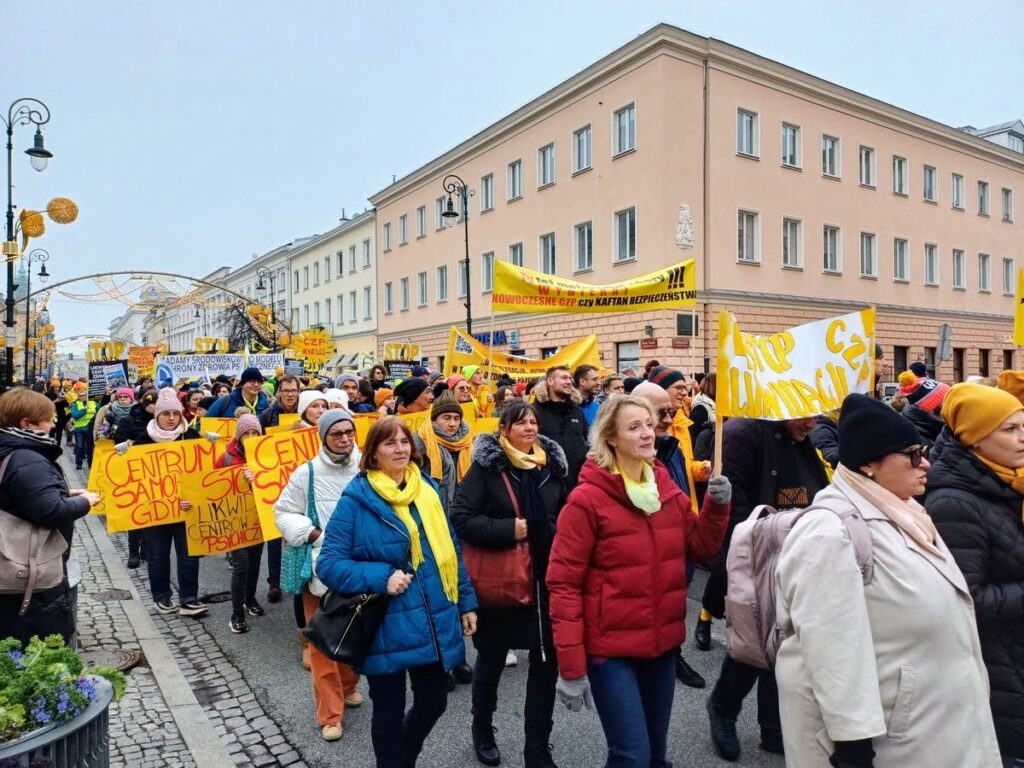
<point>468,412</point>
<point>143,487</point>
<point>272,459</point>
<point>99,452</point>
<point>804,371</point>
<point>141,359</point>
<point>287,419</point>
<point>223,514</point>
<point>523,290</point>
<point>363,423</point>
<point>1018,311</point>
<point>464,350</point>
<point>313,346</point>
<point>222,426</point>
<point>481,426</point>
<point>415,420</point>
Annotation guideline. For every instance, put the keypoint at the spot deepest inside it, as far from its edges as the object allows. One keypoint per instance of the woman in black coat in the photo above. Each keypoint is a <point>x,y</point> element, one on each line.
<point>34,489</point>
<point>976,496</point>
<point>483,515</point>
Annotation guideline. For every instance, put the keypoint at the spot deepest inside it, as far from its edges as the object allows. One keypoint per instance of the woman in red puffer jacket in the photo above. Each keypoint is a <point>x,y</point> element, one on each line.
<point>617,578</point>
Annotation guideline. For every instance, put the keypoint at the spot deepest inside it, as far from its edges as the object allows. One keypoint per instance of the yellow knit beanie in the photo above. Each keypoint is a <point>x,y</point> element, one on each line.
<point>1012,382</point>
<point>974,411</point>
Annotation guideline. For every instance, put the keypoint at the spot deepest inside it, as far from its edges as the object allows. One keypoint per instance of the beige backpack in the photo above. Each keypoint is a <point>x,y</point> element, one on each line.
<point>30,556</point>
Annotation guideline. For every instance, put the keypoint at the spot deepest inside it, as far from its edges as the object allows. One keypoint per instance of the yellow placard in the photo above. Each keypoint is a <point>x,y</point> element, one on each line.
<point>468,412</point>
<point>1018,311</point>
<point>464,350</point>
<point>142,359</point>
<point>223,514</point>
<point>99,451</point>
<point>363,423</point>
<point>523,290</point>
<point>287,419</point>
<point>222,426</point>
<point>272,459</point>
<point>313,346</point>
<point>482,426</point>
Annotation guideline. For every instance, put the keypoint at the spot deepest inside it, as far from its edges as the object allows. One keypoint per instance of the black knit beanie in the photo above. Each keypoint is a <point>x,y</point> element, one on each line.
<point>664,377</point>
<point>409,390</point>
<point>870,430</point>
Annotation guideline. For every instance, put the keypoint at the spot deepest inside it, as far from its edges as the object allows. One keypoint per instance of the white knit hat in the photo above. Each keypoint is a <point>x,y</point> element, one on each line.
<point>307,397</point>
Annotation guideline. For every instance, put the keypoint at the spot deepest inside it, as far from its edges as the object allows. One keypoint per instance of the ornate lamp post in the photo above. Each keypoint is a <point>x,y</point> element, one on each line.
<point>269,274</point>
<point>454,185</point>
<point>41,256</point>
<point>25,111</point>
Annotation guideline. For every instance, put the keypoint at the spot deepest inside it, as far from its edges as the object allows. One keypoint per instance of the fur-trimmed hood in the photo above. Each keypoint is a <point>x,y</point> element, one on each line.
<point>540,393</point>
<point>488,453</point>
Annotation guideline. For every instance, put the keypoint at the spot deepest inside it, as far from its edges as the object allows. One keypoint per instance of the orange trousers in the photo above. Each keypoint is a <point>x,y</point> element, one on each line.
<point>332,680</point>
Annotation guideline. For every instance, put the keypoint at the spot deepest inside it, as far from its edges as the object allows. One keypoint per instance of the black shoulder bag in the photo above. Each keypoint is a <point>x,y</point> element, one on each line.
<point>343,626</point>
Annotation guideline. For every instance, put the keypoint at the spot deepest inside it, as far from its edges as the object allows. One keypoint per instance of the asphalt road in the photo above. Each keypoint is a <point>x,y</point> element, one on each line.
<point>268,657</point>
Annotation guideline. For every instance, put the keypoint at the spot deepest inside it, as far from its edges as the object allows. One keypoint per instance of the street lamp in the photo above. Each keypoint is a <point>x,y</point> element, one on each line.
<point>42,256</point>
<point>25,111</point>
<point>454,185</point>
<point>44,318</point>
<point>269,274</point>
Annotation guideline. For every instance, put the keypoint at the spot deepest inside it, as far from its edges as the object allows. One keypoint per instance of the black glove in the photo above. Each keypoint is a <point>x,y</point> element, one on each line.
<point>853,754</point>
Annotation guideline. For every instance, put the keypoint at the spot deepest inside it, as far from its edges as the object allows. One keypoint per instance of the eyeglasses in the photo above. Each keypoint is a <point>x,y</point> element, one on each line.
<point>341,433</point>
<point>667,413</point>
<point>916,453</point>
<point>463,387</point>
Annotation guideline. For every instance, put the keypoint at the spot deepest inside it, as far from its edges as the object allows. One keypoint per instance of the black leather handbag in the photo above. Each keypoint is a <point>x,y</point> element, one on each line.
<point>343,626</point>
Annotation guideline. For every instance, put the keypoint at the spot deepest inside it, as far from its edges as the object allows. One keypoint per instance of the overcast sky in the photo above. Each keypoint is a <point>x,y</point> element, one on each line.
<point>195,133</point>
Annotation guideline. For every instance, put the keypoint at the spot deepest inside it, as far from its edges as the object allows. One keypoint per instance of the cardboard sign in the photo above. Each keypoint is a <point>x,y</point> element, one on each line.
<point>141,359</point>
<point>106,377</point>
<point>223,515</point>
<point>172,370</point>
<point>363,423</point>
<point>222,426</point>
<point>464,350</point>
<point>99,453</point>
<point>272,459</point>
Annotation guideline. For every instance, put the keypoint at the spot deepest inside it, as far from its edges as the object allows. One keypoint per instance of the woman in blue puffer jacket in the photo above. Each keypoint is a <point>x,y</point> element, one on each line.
<point>390,533</point>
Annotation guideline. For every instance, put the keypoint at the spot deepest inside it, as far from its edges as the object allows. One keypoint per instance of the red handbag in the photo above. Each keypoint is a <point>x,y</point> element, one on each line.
<point>502,578</point>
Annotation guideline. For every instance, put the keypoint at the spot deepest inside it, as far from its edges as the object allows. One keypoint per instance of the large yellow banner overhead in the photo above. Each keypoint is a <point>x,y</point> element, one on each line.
<point>523,290</point>
<point>464,350</point>
<point>805,371</point>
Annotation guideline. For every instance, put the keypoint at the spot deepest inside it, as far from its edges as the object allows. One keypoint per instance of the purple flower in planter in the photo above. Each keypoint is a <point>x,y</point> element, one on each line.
<point>17,657</point>
<point>86,686</point>
<point>39,712</point>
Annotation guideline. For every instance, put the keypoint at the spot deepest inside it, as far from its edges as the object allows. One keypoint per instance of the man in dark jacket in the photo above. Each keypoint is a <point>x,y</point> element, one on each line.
<point>928,425</point>
<point>248,394</point>
<point>560,419</point>
<point>768,462</point>
<point>286,401</point>
<point>825,437</point>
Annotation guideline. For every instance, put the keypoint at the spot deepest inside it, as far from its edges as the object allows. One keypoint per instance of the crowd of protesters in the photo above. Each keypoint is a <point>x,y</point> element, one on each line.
<point>607,484</point>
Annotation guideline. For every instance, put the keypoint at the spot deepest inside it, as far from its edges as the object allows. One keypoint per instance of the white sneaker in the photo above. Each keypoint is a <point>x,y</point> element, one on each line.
<point>511,660</point>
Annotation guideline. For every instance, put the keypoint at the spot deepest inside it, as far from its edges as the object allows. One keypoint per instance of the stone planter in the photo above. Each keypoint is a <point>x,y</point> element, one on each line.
<point>79,743</point>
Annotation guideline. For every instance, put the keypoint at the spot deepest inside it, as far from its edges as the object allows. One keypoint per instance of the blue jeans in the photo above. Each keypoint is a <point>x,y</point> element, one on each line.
<point>622,688</point>
<point>274,563</point>
<point>81,447</point>
<point>158,562</point>
<point>398,735</point>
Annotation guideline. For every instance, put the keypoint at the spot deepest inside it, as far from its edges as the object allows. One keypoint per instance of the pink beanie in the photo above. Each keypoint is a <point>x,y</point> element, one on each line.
<point>126,391</point>
<point>167,400</point>
<point>247,423</point>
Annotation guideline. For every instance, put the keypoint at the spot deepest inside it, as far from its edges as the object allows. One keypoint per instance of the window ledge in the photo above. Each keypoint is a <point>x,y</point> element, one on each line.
<point>929,201</point>
<point>900,194</point>
<point>793,267</point>
<point>901,281</point>
<point>399,245</point>
<point>420,237</point>
<point>581,171</point>
<point>983,215</point>
<point>789,167</point>
<point>931,285</point>
<point>833,272</point>
<point>485,291</point>
<point>386,250</point>
<point>985,290</point>
<point>582,271</point>
<point>486,210</point>
<point>442,301</point>
<point>957,208</point>
<point>513,199</point>
<point>868,277</point>
<point>749,262</point>
<point>617,262</point>
<point>958,288</point>
<point>747,155</point>
<point>1007,220</point>
<point>545,186</point>
<point>830,177</point>
<point>867,186</point>
<point>623,153</point>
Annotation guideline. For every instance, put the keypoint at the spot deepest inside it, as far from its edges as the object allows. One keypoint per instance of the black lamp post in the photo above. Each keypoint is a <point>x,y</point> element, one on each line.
<point>21,112</point>
<point>44,318</point>
<point>41,256</point>
<point>269,274</point>
<point>454,185</point>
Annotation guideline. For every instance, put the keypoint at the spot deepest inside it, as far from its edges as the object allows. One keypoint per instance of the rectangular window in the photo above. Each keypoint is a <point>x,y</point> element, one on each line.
<point>983,198</point>
<point>515,179</point>
<point>305,314</point>
<point>931,264</point>
<point>367,303</point>
<point>421,289</point>
<point>832,258</point>
<point>316,274</point>
<point>581,149</point>
<point>367,255</point>
<point>868,255</point>
<point>928,185</point>
<point>403,229</point>
<point>746,133</point>
<point>295,281</point>
<point>487,192</point>
<point>957,194</point>
<point>352,259</point>
<point>515,254</point>
<point>487,272</point>
<point>353,310</point>
<point>421,221</point>
<point>1008,278</point>
<point>439,208</point>
<point>305,278</point>
<point>900,267</point>
<point>747,238</point>
<point>341,303</point>
<point>1007,204</point>
<point>984,273</point>
<point>547,253</point>
<point>866,159</point>
<point>463,278</point>
<point>830,156</point>
<point>959,269</point>
<point>983,357</point>
<point>442,283</point>
<point>403,293</point>
<point>625,235</point>
<point>316,313</point>
<point>792,243</point>
<point>791,145</point>
<point>583,259</point>
<point>327,312</point>
<point>899,175</point>
<point>624,130</point>
<point>1016,143</point>
<point>546,165</point>
<point>341,263</point>
<point>387,236</point>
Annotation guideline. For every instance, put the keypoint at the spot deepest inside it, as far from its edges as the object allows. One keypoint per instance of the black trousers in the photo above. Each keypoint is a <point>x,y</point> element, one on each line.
<point>398,735</point>
<point>274,562</point>
<point>245,576</point>
<point>735,682</point>
<point>540,691</point>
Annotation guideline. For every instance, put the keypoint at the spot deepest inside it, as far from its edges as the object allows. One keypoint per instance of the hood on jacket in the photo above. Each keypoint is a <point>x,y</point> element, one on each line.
<point>540,393</point>
<point>926,423</point>
<point>955,466</point>
<point>488,453</point>
<point>612,484</point>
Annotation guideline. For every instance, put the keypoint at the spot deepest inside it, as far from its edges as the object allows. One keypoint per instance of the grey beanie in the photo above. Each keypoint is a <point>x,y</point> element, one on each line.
<point>345,377</point>
<point>329,418</point>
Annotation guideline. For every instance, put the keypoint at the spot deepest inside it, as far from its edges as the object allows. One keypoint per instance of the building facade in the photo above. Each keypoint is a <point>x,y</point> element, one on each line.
<point>797,199</point>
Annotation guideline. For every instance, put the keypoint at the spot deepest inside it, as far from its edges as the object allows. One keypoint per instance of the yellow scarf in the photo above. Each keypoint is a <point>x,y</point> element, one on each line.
<point>535,458</point>
<point>433,442</point>
<point>435,524</point>
<point>644,494</point>
<point>1012,477</point>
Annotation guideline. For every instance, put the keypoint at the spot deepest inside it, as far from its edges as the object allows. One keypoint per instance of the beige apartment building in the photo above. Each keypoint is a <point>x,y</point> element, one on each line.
<point>797,198</point>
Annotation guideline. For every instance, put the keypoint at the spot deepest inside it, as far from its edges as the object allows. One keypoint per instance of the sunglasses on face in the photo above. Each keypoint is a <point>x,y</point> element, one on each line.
<point>341,433</point>
<point>666,413</point>
<point>916,453</point>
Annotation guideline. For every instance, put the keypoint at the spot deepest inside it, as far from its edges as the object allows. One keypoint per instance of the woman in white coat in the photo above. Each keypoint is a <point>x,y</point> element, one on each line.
<point>330,471</point>
<point>890,673</point>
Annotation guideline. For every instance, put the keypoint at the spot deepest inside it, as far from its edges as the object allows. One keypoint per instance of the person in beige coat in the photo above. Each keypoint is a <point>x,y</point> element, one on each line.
<point>887,674</point>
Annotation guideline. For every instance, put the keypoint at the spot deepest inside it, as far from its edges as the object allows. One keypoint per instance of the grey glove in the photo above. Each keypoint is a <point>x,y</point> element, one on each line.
<point>720,490</point>
<point>122,448</point>
<point>575,694</point>
<point>213,437</point>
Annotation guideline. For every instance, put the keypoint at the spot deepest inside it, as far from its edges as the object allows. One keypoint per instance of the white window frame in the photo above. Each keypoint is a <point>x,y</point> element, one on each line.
<point>836,171</point>
<point>900,177</point>
<point>353,309</point>
<point>544,252</point>
<point>386,233</point>
<point>984,273</point>
<point>421,289</point>
<point>931,264</point>
<point>792,240</point>
<point>316,313</point>
<point>487,272</point>
<point>743,217</point>
<point>305,278</point>
<point>959,269</point>
<point>578,264</point>
<point>351,259</point>
<point>486,193</point>
<point>341,303</point>
<point>514,180</point>
<point>546,165</point>
<point>618,257</point>
<point>582,148</point>
<point>442,284</point>
<point>367,255</point>
<point>621,144</point>
<point>871,240</point>
<point>440,222</point>
<point>837,255</point>
<point>295,278</point>
<point>316,274</point>
<point>403,294</point>
<point>930,184</point>
<point>421,221</point>
<point>1009,277</point>
<point>327,312</point>
<point>868,180</point>
<point>748,142</point>
<point>790,134</point>
<point>956,198</point>
<point>463,285</point>
<point>983,198</point>
<point>403,229</point>
<point>515,254</point>
<point>900,258</point>
<point>367,302</point>
<point>327,269</point>
<point>1006,200</point>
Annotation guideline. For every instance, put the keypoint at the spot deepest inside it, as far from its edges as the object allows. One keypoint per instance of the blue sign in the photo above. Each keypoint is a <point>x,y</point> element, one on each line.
<point>500,338</point>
